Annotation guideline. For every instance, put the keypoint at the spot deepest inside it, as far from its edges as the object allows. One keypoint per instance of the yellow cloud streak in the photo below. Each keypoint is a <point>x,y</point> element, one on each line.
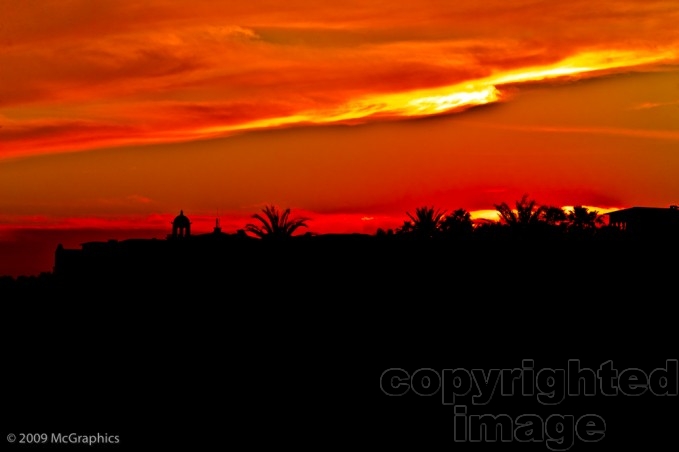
<point>418,103</point>
<point>460,96</point>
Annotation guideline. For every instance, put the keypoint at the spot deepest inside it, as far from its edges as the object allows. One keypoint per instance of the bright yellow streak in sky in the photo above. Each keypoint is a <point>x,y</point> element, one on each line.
<point>439,104</point>
<point>453,97</point>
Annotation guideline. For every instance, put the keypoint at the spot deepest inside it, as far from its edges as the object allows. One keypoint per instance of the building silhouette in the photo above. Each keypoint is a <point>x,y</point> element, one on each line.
<point>181,254</point>
<point>181,226</point>
<point>340,261</point>
<point>646,222</point>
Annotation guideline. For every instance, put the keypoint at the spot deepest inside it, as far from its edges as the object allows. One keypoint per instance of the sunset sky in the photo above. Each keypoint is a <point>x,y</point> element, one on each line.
<point>115,115</point>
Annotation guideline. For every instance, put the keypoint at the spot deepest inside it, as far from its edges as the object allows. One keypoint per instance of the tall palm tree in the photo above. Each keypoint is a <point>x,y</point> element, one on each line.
<point>426,222</point>
<point>275,224</point>
<point>527,212</point>
<point>458,224</point>
<point>554,216</point>
<point>581,218</point>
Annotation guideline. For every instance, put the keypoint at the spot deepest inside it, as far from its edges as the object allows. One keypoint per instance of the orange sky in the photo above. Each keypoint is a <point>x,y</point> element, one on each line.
<point>116,115</point>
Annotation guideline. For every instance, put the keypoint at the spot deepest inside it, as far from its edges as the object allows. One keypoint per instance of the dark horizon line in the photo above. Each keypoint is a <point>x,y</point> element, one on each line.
<point>663,221</point>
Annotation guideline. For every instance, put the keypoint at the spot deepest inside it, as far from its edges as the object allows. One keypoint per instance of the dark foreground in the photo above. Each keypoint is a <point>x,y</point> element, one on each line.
<point>286,347</point>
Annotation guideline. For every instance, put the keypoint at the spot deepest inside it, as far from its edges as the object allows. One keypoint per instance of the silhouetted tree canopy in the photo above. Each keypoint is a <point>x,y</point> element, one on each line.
<point>581,218</point>
<point>458,224</point>
<point>275,224</point>
<point>526,212</point>
<point>554,216</point>
<point>427,222</point>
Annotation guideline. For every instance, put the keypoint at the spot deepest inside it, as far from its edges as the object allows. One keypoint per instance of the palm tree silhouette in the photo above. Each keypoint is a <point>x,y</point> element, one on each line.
<point>457,224</point>
<point>275,224</point>
<point>581,218</point>
<point>426,223</point>
<point>554,216</point>
<point>526,213</point>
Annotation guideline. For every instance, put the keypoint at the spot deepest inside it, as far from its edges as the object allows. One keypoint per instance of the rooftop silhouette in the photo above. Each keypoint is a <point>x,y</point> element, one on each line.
<point>276,249</point>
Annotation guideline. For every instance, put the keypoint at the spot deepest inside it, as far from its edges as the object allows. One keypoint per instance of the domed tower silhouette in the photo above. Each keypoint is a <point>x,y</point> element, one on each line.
<point>181,226</point>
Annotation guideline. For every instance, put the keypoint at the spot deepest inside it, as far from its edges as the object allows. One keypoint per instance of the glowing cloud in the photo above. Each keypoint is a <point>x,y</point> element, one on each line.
<point>166,73</point>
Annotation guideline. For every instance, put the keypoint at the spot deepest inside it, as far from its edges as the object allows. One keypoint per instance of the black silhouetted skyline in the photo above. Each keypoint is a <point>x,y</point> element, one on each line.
<point>190,255</point>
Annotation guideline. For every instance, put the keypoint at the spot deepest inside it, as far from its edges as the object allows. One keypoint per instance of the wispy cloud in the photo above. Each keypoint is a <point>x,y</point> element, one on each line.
<point>75,76</point>
<point>672,135</point>
<point>649,105</point>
